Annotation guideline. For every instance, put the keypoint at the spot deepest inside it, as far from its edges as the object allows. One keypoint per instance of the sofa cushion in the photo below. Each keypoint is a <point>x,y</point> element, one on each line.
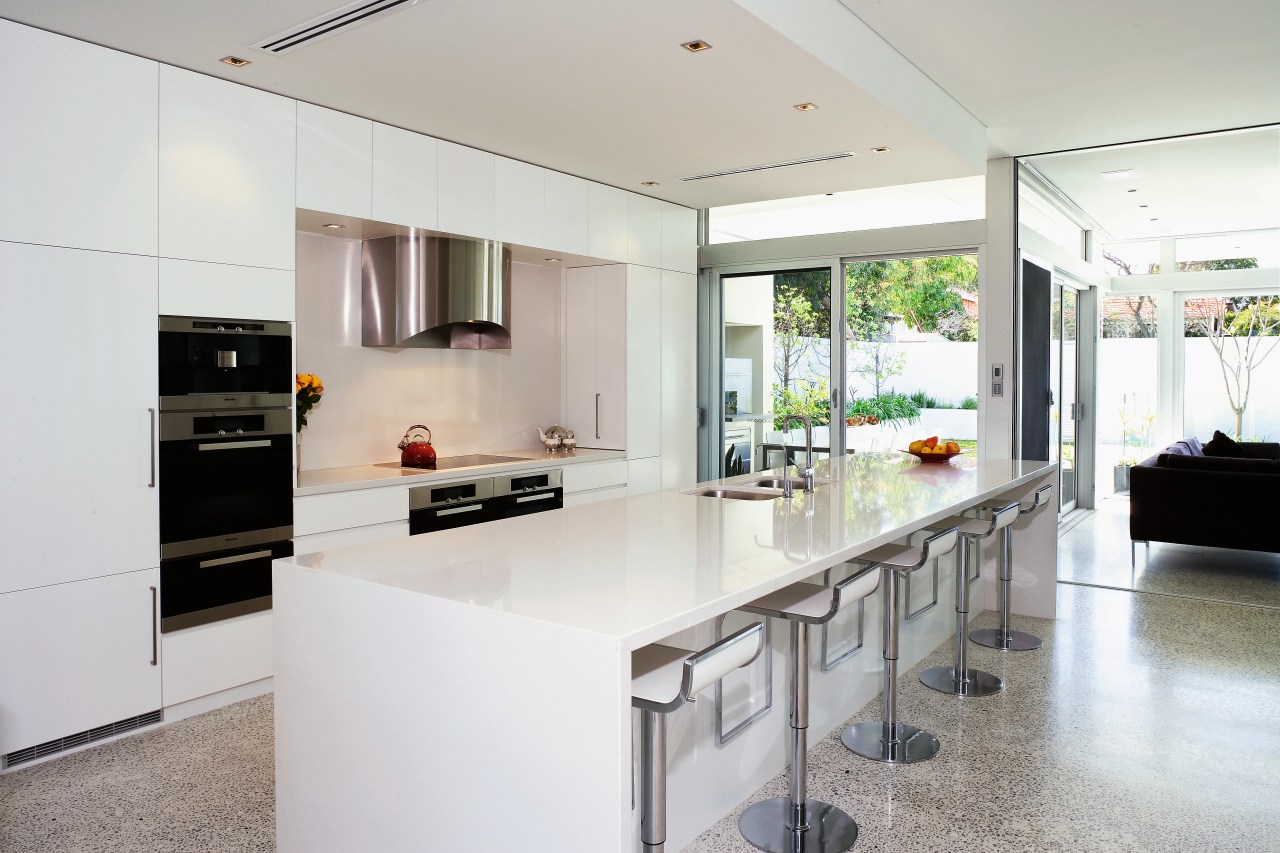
<point>1221,445</point>
<point>1178,448</point>
<point>1219,463</point>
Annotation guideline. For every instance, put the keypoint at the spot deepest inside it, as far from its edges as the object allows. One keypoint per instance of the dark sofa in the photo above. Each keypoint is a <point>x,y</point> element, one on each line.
<point>1180,495</point>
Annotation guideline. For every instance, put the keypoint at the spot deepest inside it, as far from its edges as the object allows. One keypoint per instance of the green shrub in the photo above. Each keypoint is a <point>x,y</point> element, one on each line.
<point>969,404</point>
<point>808,398</point>
<point>892,408</point>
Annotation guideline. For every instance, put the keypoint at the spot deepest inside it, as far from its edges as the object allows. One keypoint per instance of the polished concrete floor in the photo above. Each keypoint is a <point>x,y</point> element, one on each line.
<point>1145,723</point>
<point>1096,551</point>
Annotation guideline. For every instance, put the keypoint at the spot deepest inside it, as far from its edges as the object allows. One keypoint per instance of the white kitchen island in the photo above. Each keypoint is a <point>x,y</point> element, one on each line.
<point>469,690</point>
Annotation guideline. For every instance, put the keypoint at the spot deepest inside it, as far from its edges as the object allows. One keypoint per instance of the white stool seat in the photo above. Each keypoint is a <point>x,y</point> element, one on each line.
<point>657,672</point>
<point>898,556</point>
<point>966,526</point>
<point>668,676</point>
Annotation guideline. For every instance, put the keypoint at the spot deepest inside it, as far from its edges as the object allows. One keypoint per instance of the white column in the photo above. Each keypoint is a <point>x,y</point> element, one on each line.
<point>997,298</point>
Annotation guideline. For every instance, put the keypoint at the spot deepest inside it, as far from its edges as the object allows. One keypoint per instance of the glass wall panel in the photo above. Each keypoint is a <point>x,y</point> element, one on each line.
<point>1231,368</point>
<point>1243,250</point>
<point>1127,385</point>
<point>1135,257</point>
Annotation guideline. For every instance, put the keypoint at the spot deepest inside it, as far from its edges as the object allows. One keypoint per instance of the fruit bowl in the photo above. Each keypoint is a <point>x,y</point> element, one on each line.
<point>934,457</point>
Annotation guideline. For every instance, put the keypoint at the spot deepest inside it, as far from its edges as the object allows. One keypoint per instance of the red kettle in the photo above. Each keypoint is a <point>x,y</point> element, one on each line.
<point>416,451</point>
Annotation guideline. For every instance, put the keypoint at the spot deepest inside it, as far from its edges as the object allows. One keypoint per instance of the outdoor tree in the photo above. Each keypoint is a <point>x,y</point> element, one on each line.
<point>1243,331</point>
<point>794,329</point>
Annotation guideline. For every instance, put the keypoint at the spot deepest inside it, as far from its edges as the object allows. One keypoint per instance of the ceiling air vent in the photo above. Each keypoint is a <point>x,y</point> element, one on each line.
<point>62,744</point>
<point>338,21</point>
<point>839,155</point>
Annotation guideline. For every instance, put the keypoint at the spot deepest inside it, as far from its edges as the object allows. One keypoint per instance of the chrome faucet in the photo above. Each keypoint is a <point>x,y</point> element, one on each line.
<point>787,489</point>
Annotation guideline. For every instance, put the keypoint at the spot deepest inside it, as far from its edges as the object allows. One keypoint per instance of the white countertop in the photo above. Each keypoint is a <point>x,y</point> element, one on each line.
<point>327,480</point>
<point>643,567</point>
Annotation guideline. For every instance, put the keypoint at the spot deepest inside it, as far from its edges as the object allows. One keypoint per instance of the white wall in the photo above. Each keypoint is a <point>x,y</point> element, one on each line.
<point>474,401</point>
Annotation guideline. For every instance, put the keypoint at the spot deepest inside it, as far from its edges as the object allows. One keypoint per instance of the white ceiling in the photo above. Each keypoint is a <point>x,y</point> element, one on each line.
<point>598,89</point>
<point>1196,185</point>
<point>603,90</point>
<point>1045,76</point>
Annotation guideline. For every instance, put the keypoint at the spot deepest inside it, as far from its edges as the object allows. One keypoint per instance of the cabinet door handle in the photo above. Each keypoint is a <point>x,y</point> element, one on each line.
<point>152,448</point>
<point>155,638</point>
<point>597,416</point>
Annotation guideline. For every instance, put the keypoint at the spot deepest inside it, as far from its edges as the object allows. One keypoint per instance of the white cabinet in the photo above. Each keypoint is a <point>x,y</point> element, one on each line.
<point>607,232</point>
<point>79,477</point>
<point>567,217</point>
<point>679,379</point>
<point>77,655</point>
<point>644,230</point>
<point>599,481</point>
<point>404,177</point>
<point>227,155</point>
<point>211,658</point>
<point>521,195</point>
<point>595,353</point>
<point>78,150</point>
<point>340,510</point>
<point>466,191</point>
<point>644,475</point>
<point>196,289</point>
<point>335,161</point>
<point>350,537</point>
<point>679,238</point>
<point>644,362</point>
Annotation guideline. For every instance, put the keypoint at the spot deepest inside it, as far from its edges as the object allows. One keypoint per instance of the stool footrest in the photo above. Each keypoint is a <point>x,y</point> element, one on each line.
<point>764,826</point>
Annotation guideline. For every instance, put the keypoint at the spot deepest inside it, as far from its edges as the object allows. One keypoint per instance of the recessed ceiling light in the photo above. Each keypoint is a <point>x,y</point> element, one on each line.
<point>696,45</point>
<point>804,108</point>
<point>830,193</point>
<point>552,260</point>
<point>334,225</point>
<point>648,183</point>
<point>1142,205</point>
<point>1155,219</point>
<point>1132,191</point>
<point>234,61</point>
<point>1118,174</point>
<point>881,149</point>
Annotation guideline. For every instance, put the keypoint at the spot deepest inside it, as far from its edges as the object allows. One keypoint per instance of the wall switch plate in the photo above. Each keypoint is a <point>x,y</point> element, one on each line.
<point>997,389</point>
<point>997,372</point>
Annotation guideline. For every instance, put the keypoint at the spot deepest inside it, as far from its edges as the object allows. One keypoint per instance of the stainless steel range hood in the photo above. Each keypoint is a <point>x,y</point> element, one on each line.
<point>427,291</point>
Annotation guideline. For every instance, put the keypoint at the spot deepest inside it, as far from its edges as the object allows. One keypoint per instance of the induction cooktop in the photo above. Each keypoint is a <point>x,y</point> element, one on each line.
<point>445,463</point>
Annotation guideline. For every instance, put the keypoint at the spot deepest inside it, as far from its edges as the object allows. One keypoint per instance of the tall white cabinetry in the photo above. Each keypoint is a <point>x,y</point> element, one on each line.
<point>79,540</point>
<point>226,198</point>
<point>596,355</point>
<point>335,161</point>
<point>78,149</point>
<point>630,356</point>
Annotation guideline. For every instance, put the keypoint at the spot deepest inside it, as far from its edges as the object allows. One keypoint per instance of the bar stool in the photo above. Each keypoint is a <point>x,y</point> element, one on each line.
<point>662,679</point>
<point>1004,638</point>
<point>961,680</point>
<point>795,823</point>
<point>889,740</point>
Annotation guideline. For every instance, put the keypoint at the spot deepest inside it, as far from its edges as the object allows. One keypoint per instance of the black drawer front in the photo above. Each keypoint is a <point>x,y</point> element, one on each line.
<point>450,516</point>
<point>510,506</point>
<point>207,587</point>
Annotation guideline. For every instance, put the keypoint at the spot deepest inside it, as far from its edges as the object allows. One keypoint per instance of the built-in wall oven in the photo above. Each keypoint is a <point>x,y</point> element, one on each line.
<point>226,466</point>
<point>528,492</point>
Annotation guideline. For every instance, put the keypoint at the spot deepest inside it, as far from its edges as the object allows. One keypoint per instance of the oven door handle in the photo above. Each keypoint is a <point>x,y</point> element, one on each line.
<point>457,510</point>
<point>545,496</point>
<point>234,445</point>
<point>238,558</point>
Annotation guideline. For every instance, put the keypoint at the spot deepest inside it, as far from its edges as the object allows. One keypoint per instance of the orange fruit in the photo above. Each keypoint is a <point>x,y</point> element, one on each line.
<point>953,447</point>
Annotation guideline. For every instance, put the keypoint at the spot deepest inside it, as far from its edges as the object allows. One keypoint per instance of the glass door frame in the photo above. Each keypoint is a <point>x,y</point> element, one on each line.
<point>1086,344</point>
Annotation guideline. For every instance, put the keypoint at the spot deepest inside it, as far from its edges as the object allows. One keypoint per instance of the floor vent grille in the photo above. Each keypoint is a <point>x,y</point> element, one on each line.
<point>821,158</point>
<point>62,744</point>
<point>337,21</point>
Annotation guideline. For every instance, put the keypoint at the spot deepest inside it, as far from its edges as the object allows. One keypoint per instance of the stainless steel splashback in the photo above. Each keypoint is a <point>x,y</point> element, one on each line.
<point>428,291</point>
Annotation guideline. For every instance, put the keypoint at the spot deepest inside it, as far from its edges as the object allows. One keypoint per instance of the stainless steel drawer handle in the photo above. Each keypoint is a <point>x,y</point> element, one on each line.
<point>457,510</point>
<point>528,498</point>
<point>234,445</point>
<point>238,558</point>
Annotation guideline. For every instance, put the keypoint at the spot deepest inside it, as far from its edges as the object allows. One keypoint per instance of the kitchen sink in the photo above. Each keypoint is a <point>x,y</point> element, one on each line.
<point>778,482</point>
<point>736,494</point>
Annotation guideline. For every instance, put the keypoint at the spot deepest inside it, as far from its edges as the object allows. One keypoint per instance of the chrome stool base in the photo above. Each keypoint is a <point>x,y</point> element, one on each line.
<point>1005,641</point>
<point>764,825</point>
<point>975,683</point>
<point>913,744</point>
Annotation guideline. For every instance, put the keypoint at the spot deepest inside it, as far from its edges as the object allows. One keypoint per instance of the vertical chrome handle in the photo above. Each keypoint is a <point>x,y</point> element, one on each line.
<point>597,416</point>
<point>155,637</point>
<point>152,448</point>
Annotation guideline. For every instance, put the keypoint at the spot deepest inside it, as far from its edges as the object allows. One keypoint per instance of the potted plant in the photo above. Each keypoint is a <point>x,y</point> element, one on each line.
<point>1135,422</point>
